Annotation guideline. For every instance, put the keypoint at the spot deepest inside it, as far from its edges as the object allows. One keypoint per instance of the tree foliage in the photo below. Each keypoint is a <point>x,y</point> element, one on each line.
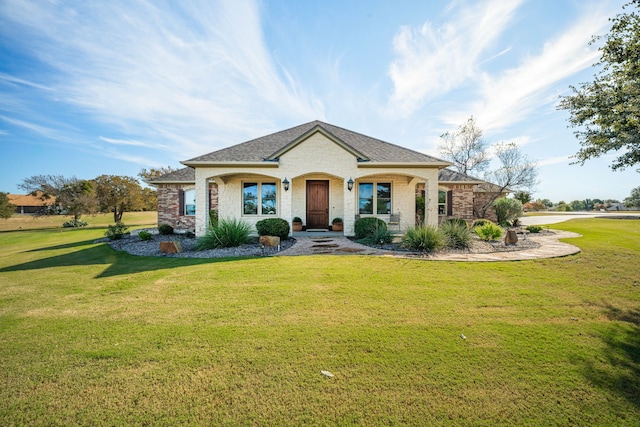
<point>507,210</point>
<point>515,172</point>
<point>470,153</point>
<point>523,196</point>
<point>118,194</point>
<point>606,111</point>
<point>6,208</point>
<point>152,173</point>
<point>465,148</point>
<point>633,201</point>
<point>77,198</point>
<point>69,195</point>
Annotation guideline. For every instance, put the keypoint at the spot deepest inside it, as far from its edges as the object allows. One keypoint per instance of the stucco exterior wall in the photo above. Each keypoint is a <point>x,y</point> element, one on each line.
<point>316,158</point>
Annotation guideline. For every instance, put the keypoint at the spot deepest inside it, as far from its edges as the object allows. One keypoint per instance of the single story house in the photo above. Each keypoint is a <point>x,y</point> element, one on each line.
<point>317,172</point>
<point>31,203</point>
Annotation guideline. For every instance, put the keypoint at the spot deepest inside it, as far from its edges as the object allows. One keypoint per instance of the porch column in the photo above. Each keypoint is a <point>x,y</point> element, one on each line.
<point>202,203</point>
<point>431,202</point>
<point>349,209</point>
<point>286,203</point>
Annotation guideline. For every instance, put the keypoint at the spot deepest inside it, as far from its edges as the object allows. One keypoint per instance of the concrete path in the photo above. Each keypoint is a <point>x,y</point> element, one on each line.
<point>550,247</point>
<point>565,216</point>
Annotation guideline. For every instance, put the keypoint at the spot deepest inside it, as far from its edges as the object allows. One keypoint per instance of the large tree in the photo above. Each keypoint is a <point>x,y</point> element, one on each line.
<point>118,194</point>
<point>69,195</point>
<point>469,153</point>
<point>46,187</point>
<point>515,172</point>
<point>465,148</point>
<point>6,208</point>
<point>78,198</point>
<point>606,111</point>
<point>633,201</point>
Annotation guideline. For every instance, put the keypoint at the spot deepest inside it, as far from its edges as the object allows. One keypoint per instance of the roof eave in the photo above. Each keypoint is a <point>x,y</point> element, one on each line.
<point>439,165</point>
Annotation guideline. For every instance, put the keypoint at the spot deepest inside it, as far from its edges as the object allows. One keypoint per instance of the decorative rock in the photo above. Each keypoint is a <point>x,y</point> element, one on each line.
<point>272,241</point>
<point>511,238</point>
<point>170,247</point>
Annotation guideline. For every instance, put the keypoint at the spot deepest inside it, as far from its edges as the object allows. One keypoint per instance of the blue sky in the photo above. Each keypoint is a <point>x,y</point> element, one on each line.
<point>111,87</point>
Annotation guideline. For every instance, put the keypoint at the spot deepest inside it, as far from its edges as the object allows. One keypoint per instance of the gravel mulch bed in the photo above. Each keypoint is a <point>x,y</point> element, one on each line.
<point>136,246</point>
<point>477,246</point>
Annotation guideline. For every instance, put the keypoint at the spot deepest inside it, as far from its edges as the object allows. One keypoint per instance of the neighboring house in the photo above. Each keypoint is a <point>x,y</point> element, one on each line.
<point>30,204</point>
<point>315,171</point>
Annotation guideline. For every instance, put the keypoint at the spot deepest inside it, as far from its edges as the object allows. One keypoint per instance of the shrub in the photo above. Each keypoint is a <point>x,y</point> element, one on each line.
<point>365,227</point>
<point>190,234</point>
<point>75,223</point>
<point>480,221</point>
<point>165,229</point>
<point>534,229</point>
<point>336,220</point>
<point>145,235</point>
<point>228,233</point>
<point>507,210</point>
<point>380,237</point>
<point>296,219</point>
<point>456,221</point>
<point>457,234</point>
<point>273,227</point>
<point>116,231</point>
<point>488,231</point>
<point>424,238</point>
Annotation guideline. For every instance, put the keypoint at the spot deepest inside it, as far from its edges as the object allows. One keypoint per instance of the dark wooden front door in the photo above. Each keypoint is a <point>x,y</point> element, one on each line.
<point>317,204</point>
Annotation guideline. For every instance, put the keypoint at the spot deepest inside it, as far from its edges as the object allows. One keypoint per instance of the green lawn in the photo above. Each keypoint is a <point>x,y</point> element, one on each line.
<point>90,336</point>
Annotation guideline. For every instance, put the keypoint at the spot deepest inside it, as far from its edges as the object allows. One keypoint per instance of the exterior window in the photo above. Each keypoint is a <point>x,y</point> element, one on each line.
<point>442,202</point>
<point>259,198</point>
<point>190,202</point>
<point>381,198</point>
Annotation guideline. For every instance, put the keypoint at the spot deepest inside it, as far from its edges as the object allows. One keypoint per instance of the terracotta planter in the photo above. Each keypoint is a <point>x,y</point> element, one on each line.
<point>296,226</point>
<point>336,226</point>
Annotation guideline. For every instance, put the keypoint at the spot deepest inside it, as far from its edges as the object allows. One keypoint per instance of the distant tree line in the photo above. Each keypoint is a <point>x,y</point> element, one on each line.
<point>105,193</point>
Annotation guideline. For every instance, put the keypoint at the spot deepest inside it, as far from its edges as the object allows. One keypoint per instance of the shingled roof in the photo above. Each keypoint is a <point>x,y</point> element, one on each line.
<point>366,148</point>
<point>183,175</point>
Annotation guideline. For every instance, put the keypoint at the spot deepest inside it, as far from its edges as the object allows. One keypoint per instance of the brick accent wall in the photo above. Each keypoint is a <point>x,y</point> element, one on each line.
<point>169,205</point>
<point>481,199</point>
<point>464,202</point>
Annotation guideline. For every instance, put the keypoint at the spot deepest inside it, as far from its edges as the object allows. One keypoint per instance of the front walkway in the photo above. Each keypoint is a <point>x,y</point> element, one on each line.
<point>337,244</point>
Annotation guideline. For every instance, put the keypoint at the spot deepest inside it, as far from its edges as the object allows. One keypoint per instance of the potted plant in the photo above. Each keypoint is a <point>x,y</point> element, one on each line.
<point>296,224</point>
<point>336,224</point>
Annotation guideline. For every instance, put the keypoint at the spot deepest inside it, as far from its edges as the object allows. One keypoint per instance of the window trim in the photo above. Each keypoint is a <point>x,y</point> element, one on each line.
<point>259,198</point>
<point>374,201</point>
<point>185,192</point>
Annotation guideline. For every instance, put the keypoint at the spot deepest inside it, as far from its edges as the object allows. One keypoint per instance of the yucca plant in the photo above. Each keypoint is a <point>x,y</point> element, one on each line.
<point>457,234</point>
<point>425,238</point>
<point>226,234</point>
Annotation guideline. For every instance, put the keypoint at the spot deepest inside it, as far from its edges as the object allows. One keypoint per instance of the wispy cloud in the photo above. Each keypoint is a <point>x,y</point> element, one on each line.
<point>17,81</point>
<point>33,127</point>
<point>511,96</point>
<point>434,60</point>
<point>193,76</point>
<point>129,142</point>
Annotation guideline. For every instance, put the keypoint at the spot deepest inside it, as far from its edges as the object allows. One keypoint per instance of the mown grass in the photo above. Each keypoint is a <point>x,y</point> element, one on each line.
<point>31,222</point>
<point>95,337</point>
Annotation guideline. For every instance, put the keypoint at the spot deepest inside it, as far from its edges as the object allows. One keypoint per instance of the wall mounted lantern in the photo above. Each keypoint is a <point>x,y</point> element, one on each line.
<point>350,184</point>
<point>285,183</point>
